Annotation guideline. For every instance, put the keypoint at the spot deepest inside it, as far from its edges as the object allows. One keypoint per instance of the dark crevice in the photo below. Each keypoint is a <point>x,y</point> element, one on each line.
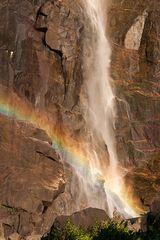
<point>44,41</point>
<point>46,206</point>
<point>6,206</point>
<point>43,14</point>
<point>13,208</point>
<point>19,223</point>
<point>7,225</point>
<point>45,155</point>
<point>42,29</point>
<point>40,13</point>
<point>44,209</point>
<point>59,53</point>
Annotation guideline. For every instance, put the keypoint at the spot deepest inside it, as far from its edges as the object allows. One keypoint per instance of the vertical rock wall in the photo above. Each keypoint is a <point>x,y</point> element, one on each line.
<point>40,61</point>
<point>134,33</point>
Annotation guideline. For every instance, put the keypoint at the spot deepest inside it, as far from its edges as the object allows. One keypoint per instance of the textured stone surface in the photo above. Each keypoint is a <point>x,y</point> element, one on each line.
<point>31,177</point>
<point>14,236</point>
<point>137,224</point>
<point>41,45</point>
<point>40,60</point>
<point>134,34</point>
<point>136,75</point>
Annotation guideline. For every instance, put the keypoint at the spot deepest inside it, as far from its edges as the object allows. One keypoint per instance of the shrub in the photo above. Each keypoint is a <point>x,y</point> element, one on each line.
<point>72,232</point>
<point>69,232</point>
<point>111,231</point>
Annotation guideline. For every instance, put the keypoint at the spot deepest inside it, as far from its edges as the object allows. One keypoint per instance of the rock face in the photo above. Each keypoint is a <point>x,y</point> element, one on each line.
<point>40,56</point>
<point>134,30</point>
<point>41,45</point>
<point>31,178</point>
<point>40,50</point>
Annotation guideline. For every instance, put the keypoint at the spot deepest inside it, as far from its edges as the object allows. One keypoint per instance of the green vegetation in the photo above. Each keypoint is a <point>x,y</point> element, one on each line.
<point>103,231</point>
<point>69,232</point>
<point>110,231</point>
<point>107,231</point>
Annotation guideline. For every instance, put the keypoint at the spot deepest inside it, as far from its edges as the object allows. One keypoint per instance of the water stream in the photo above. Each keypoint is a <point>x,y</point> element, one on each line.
<point>101,106</point>
<point>98,181</point>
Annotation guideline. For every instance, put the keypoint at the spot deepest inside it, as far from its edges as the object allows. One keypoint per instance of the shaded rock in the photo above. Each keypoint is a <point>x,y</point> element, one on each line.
<point>85,218</point>
<point>137,224</point>
<point>155,204</point>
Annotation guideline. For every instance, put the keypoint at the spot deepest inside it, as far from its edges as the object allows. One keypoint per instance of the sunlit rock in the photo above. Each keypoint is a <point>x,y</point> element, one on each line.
<point>42,61</point>
<point>31,178</point>
<point>134,35</point>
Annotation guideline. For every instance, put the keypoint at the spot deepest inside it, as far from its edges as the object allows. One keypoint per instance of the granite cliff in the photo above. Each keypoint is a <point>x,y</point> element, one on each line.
<point>41,62</point>
<point>134,35</point>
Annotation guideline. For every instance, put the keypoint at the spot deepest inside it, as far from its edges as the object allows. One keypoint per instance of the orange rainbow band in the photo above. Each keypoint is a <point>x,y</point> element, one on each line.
<point>12,106</point>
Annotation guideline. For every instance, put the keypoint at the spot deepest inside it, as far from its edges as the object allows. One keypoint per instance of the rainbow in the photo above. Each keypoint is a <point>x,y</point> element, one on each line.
<point>13,106</point>
<point>70,150</point>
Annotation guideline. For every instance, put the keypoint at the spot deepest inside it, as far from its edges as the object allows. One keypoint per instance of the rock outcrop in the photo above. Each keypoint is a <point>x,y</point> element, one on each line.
<point>31,178</point>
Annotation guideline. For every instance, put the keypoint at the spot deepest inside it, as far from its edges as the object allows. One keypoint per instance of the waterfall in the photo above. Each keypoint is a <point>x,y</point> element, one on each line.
<point>101,108</point>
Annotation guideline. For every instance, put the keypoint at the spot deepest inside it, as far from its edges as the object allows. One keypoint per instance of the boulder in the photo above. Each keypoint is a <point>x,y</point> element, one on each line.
<point>84,218</point>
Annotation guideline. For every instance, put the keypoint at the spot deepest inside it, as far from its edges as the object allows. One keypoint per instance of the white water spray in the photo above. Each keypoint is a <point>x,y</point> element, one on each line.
<point>101,105</point>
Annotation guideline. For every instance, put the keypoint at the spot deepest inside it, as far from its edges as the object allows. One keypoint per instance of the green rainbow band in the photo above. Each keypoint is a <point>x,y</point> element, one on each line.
<point>58,143</point>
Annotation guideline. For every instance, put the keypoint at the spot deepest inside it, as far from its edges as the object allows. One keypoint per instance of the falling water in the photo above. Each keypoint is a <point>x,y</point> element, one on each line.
<point>101,104</point>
